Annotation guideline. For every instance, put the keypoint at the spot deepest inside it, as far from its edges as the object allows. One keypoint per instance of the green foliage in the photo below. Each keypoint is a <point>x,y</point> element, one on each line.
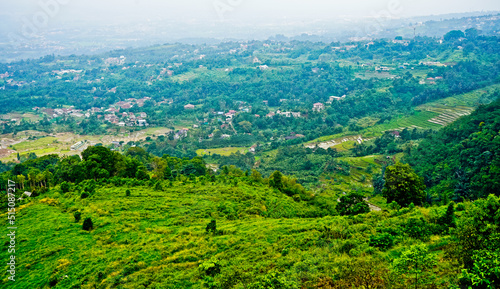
<point>416,260</point>
<point>477,229</point>
<point>485,273</point>
<point>128,193</point>
<point>352,204</point>
<point>460,160</point>
<point>448,219</point>
<point>276,181</point>
<point>65,187</point>
<point>87,224</point>
<point>383,241</point>
<point>454,35</point>
<point>273,280</point>
<point>211,267</point>
<point>419,228</point>
<point>403,185</point>
<point>78,216</point>
<point>211,227</point>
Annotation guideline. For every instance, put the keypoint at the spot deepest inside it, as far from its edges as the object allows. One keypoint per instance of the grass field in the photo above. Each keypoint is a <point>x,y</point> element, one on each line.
<point>345,146</point>
<point>26,116</point>
<point>28,146</point>
<point>222,151</point>
<point>61,142</point>
<point>158,239</point>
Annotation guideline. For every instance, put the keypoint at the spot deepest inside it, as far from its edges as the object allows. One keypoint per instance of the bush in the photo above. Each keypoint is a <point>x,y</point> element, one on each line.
<point>65,187</point>
<point>383,241</point>
<point>127,193</point>
<point>84,195</point>
<point>352,204</point>
<point>212,227</point>
<point>419,229</point>
<point>87,224</point>
<point>78,216</point>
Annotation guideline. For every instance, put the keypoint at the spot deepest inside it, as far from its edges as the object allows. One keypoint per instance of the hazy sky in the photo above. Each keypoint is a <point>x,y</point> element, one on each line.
<point>120,11</point>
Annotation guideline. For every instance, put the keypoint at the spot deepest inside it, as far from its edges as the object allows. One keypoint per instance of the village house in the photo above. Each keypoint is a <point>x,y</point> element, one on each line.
<point>332,98</point>
<point>189,106</point>
<point>318,107</point>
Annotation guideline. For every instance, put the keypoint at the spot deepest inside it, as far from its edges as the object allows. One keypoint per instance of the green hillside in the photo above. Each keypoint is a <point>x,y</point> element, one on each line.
<point>159,239</point>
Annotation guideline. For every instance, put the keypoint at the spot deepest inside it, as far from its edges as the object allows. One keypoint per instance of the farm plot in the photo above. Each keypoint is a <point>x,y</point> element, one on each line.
<point>448,115</point>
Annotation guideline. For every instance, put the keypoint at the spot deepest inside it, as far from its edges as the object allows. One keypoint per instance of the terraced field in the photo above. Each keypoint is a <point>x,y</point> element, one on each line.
<point>432,115</point>
<point>341,144</point>
<point>419,120</point>
<point>448,115</point>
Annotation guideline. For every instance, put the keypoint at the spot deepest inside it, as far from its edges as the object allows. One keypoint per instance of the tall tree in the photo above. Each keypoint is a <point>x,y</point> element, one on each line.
<point>403,185</point>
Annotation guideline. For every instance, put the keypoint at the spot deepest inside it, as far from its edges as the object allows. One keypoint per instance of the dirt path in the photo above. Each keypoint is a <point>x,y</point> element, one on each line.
<point>372,206</point>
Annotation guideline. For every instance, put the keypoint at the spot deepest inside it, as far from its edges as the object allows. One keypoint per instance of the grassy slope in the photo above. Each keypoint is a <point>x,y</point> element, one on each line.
<point>157,239</point>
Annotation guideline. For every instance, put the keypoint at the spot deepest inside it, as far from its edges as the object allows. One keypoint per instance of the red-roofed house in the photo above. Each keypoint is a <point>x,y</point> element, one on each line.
<point>318,106</point>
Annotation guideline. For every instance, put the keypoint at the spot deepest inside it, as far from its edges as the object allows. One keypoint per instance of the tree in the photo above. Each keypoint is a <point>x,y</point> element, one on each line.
<point>276,181</point>
<point>245,125</point>
<point>103,157</point>
<point>416,260</point>
<point>142,173</point>
<point>65,187</point>
<point>403,185</point>
<point>472,33</point>
<point>485,273</point>
<point>453,35</point>
<point>352,204</point>
<point>448,219</point>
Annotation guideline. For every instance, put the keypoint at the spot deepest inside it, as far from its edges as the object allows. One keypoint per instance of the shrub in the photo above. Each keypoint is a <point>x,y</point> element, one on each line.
<point>65,187</point>
<point>212,227</point>
<point>486,270</point>
<point>87,224</point>
<point>78,216</point>
<point>383,241</point>
<point>127,193</point>
<point>211,267</point>
<point>352,204</point>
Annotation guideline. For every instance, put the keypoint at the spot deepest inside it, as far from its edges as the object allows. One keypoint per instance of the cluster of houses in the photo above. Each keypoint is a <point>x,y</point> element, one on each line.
<point>284,113</point>
<point>115,60</point>
<point>71,111</point>
<point>127,119</point>
<point>112,114</point>
<point>12,82</point>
